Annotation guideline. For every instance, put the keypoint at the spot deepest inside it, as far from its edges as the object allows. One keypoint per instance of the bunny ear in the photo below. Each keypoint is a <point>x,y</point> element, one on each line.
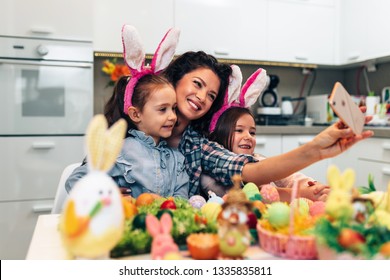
<point>152,225</point>
<point>165,50</point>
<point>95,141</point>
<point>234,87</point>
<point>333,176</point>
<point>253,87</point>
<point>133,51</point>
<point>348,179</point>
<point>166,223</point>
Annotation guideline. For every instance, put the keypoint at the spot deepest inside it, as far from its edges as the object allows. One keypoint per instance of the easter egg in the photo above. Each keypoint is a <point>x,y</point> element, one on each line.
<point>250,190</point>
<point>168,204</point>
<point>162,211</point>
<point>279,214</point>
<point>139,221</point>
<point>269,193</point>
<point>301,205</point>
<point>197,201</point>
<point>211,210</point>
<point>317,208</point>
<point>145,199</point>
<point>252,220</point>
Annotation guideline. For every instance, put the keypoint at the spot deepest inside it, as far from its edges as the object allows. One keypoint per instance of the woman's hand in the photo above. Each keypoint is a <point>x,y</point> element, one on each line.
<point>337,138</point>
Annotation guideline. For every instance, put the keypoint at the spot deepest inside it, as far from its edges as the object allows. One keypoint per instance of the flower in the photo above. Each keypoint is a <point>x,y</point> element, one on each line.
<point>114,70</point>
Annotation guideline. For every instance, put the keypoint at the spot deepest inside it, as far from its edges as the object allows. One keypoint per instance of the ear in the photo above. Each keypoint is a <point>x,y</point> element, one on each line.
<point>253,87</point>
<point>152,225</point>
<point>166,223</point>
<point>348,179</point>
<point>234,87</point>
<point>333,176</point>
<point>134,114</point>
<point>133,51</point>
<point>165,50</point>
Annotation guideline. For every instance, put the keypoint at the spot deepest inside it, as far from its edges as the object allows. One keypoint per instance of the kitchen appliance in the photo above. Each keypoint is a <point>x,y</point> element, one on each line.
<point>269,98</point>
<point>318,109</point>
<point>46,89</point>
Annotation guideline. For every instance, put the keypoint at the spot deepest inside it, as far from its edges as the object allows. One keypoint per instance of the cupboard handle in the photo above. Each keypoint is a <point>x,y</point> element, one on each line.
<point>386,171</point>
<point>221,52</point>
<point>42,30</point>
<point>42,208</point>
<point>386,146</point>
<point>353,57</point>
<point>301,57</point>
<point>43,145</point>
<point>303,141</point>
<point>260,141</point>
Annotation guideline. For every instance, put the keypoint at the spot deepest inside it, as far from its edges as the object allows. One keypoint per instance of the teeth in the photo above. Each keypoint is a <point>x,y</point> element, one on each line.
<point>193,105</point>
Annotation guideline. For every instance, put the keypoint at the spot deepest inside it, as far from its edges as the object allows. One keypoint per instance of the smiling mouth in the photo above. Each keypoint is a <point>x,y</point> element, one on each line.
<point>245,146</point>
<point>194,105</point>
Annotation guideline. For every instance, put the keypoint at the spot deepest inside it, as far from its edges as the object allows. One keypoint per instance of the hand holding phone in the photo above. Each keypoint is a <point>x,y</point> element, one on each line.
<point>346,109</point>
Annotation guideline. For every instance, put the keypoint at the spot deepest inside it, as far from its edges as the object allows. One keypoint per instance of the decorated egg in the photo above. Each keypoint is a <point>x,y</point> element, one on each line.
<point>317,208</point>
<point>301,205</point>
<point>211,210</point>
<point>197,201</point>
<point>269,193</point>
<point>250,190</point>
<point>278,214</point>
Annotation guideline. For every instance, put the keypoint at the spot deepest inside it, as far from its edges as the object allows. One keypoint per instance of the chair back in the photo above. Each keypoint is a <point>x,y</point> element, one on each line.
<point>61,193</point>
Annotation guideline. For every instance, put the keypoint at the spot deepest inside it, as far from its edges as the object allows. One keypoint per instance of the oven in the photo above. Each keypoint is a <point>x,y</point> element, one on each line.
<point>46,86</point>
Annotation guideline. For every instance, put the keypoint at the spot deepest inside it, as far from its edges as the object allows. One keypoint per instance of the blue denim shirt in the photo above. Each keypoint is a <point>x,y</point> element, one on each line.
<point>144,167</point>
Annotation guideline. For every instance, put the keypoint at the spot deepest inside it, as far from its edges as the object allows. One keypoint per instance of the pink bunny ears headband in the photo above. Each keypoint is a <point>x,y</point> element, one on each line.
<point>235,97</point>
<point>134,56</point>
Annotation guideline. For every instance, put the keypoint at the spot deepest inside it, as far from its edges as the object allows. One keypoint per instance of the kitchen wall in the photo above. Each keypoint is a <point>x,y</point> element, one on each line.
<point>291,80</point>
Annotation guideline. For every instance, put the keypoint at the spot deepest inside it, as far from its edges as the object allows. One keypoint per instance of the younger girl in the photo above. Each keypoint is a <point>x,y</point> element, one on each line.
<point>236,131</point>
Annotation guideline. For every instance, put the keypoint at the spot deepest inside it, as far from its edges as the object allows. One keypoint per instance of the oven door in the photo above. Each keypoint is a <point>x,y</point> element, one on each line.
<point>45,98</point>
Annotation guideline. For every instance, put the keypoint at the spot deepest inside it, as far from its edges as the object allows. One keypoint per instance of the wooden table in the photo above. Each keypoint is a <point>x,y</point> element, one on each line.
<point>46,244</point>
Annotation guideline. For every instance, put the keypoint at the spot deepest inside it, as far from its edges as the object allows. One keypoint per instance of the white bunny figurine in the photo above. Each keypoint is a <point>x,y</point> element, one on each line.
<point>160,231</point>
<point>92,221</point>
<point>235,97</point>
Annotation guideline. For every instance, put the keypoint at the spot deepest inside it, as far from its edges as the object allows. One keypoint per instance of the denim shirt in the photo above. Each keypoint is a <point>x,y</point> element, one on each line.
<point>144,167</point>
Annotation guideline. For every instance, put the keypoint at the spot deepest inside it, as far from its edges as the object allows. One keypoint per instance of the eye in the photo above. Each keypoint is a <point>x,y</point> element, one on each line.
<point>212,96</point>
<point>253,133</point>
<point>198,84</point>
<point>162,109</point>
<point>238,130</point>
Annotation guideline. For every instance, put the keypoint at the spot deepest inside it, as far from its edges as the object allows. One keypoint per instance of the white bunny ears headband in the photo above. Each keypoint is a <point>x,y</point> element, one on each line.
<point>134,55</point>
<point>235,97</point>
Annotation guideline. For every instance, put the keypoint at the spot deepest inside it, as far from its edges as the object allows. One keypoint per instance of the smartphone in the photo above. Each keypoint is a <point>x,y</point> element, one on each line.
<point>346,109</point>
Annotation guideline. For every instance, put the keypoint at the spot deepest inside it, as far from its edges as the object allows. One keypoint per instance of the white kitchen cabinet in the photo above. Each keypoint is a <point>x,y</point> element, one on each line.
<point>318,170</point>
<point>71,19</point>
<point>30,169</point>
<point>302,31</point>
<point>152,18</point>
<point>371,156</point>
<point>225,29</point>
<point>268,145</point>
<point>364,30</point>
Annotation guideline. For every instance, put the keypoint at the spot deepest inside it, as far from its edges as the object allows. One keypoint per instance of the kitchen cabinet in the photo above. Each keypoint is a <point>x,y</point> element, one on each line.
<point>302,31</point>
<point>364,30</point>
<point>71,19</point>
<point>225,29</point>
<point>318,170</point>
<point>30,170</point>
<point>268,145</point>
<point>152,18</point>
<point>371,156</point>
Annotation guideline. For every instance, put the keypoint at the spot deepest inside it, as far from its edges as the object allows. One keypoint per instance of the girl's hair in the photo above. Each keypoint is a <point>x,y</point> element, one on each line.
<point>191,61</point>
<point>113,109</point>
<point>225,127</point>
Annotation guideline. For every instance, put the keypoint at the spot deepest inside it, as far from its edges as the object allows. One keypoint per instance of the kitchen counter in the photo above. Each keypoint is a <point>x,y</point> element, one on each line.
<point>381,132</point>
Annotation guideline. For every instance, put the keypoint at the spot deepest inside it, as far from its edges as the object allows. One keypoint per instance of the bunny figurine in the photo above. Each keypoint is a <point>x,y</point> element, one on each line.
<point>339,202</point>
<point>92,221</point>
<point>160,231</point>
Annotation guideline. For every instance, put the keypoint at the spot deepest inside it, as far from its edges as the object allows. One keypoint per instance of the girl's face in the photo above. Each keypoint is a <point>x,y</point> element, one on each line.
<point>196,92</point>
<point>244,135</point>
<point>158,116</point>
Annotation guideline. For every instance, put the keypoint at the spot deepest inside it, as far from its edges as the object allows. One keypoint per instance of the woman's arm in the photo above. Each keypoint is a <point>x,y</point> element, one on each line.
<point>329,143</point>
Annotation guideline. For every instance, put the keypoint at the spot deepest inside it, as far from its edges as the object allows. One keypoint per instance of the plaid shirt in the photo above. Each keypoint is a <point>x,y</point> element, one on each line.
<point>204,156</point>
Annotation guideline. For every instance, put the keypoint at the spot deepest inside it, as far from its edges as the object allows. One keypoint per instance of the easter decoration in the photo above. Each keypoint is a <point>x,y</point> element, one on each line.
<point>285,230</point>
<point>162,243</point>
<point>354,227</point>
<point>92,221</point>
<point>233,231</point>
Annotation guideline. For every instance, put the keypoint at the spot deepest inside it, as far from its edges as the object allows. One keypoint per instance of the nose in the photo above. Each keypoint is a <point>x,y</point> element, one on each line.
<point>201,95</point>
<point>247,135</point>
<point>172,116</point>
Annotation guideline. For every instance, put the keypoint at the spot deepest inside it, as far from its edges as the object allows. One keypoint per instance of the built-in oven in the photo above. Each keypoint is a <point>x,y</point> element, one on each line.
<point>46,86</point>
<point>46,102</point>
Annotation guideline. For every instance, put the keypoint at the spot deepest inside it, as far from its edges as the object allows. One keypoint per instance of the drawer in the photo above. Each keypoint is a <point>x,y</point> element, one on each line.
<point>374,149</point>
<point>270,145</point>
<point>380,171</point>
<point>17,223</point>
<point>30,167</point>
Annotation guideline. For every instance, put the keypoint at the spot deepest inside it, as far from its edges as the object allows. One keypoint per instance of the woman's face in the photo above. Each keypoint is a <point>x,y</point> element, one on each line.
<point>244,135</point>
<point>196,92</point>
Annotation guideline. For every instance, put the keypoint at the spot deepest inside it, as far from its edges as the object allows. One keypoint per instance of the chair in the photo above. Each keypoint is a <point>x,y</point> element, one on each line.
<point>61,193</point>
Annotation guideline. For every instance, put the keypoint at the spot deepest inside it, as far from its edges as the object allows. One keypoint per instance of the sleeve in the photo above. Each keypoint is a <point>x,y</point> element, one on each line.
<point>204,156</point>
<point>76,175</point>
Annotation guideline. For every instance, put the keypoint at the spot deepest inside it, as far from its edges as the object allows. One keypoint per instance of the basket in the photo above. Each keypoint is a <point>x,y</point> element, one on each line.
<point>288,246</point>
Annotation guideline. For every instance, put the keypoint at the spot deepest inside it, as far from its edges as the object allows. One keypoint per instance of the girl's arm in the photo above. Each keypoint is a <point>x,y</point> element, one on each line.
<point>76,175</point>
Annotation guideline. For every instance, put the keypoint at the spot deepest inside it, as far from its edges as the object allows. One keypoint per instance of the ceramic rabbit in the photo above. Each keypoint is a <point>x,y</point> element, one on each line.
<point>160,231</point>
<point>339,202</point>
<point>92,221</point>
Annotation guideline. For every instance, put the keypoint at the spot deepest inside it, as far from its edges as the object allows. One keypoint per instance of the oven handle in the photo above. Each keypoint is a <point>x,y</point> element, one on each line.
<point>46,63</point>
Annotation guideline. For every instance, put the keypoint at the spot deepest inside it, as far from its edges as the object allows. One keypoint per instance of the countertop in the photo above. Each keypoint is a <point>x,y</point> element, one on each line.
<point>381,132</point>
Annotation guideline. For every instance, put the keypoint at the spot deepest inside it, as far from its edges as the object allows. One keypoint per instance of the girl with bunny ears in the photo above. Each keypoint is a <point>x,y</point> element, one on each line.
<point>234,127</point>
<point>146,163</point>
